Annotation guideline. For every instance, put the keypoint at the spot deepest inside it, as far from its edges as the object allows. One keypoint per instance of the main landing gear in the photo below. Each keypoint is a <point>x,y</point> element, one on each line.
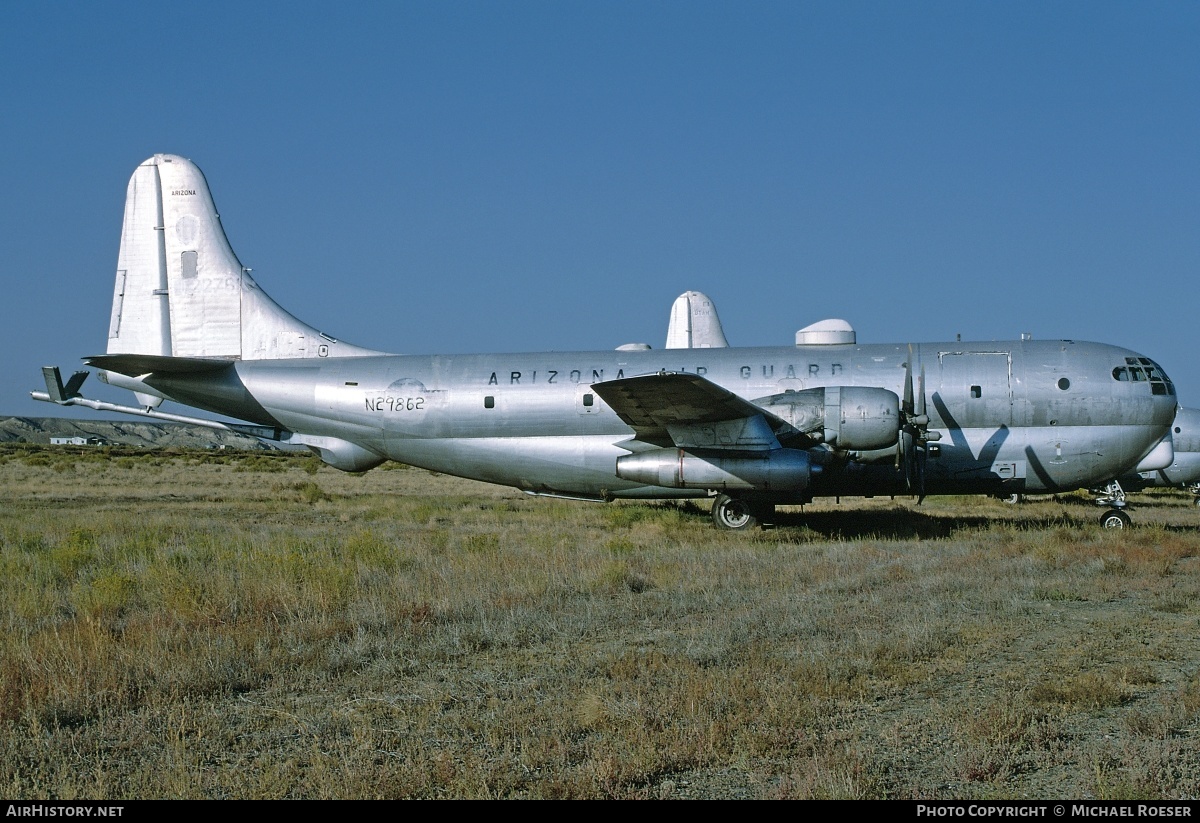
<point>736,514</point>
<point>1113,495</point>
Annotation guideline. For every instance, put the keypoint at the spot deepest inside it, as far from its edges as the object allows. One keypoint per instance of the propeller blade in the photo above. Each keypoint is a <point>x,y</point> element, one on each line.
<point>907,406</point>
<point>903,447</point>
<point>920,406</point>
<point>912,452</point>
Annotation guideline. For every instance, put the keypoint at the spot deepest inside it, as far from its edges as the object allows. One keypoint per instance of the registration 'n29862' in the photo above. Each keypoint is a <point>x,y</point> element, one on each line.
<point>395,403</point>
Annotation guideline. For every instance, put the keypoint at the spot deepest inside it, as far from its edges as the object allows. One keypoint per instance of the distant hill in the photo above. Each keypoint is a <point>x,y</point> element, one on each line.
<point>122,433</point>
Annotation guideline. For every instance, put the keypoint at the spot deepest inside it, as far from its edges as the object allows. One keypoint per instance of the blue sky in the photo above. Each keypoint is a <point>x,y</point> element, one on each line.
<point>439,177</point>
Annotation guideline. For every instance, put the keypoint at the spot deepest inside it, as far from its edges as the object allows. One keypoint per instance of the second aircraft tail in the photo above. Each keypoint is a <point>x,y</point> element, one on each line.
<point>694,323</point>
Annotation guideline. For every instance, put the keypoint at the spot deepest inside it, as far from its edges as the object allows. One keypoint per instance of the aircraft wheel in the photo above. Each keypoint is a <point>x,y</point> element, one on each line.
<point>1197,501</point>
<point>1014,498</point>
<point>1115,519</point>
<point>733,514</point>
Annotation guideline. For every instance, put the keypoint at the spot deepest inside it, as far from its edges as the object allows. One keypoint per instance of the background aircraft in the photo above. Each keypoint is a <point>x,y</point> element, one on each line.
<point>751,427</point>
<point>1184,471</point>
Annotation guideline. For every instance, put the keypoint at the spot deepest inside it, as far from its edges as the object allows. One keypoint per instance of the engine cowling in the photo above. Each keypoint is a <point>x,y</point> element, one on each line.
<point>777,469</point>
<point>852,418</point>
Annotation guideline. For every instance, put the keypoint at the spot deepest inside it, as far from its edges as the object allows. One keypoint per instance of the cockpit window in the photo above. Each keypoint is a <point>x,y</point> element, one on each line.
<point>1142,370</point>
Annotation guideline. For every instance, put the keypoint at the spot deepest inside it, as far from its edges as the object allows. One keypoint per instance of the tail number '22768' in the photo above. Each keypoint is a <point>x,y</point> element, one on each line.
<point>393,403</point>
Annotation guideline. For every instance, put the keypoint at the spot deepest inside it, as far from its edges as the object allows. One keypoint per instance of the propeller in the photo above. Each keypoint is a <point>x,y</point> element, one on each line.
<point>914,431</point>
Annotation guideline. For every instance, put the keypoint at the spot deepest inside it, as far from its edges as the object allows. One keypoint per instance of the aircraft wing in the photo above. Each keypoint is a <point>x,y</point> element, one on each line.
<point>687,411</point>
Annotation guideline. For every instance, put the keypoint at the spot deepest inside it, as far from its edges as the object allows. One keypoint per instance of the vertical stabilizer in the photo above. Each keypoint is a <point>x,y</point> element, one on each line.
<point>180,289</point>
<point>694,323</point>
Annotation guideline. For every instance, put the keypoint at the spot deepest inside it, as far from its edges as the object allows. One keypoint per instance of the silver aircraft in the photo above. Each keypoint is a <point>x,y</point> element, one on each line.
<point>752,428</point>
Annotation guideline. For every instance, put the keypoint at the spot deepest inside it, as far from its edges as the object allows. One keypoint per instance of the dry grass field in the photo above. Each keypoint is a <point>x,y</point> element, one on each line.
<point>250,625</point>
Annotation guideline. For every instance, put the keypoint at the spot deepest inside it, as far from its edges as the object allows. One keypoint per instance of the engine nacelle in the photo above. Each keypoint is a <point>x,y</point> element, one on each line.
<point>778,469</point>
<point>859,418</point>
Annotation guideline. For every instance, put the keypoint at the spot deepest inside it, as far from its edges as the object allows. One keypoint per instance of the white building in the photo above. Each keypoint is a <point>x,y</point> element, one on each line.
<point>77,441</point>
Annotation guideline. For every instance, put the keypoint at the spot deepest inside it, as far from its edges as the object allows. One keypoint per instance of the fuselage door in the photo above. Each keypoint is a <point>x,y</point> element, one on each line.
<point>976,388</point>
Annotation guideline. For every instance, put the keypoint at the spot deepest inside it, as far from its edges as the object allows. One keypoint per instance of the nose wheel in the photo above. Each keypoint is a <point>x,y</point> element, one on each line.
<point>1113,495</point>
<point>1115,519</point>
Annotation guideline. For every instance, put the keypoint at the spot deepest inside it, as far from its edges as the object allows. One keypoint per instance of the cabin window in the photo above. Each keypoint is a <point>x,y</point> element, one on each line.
<point>1159,382</point>
<point>1064,383</point>
<point>977,392</point>
<point>587,400</point>
<point>1141,370</point>
<point>489,402</point>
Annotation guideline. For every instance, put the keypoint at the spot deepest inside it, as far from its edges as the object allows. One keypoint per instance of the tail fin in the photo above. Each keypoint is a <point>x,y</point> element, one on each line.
<point>182,292</point>
<point>694,323</point>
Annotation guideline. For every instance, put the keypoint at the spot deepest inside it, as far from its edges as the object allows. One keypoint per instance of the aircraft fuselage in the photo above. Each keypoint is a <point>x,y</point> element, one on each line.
<point>1021,416</point>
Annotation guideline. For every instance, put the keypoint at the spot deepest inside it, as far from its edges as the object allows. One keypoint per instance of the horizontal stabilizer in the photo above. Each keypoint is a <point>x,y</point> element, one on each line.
<point>135,365</point>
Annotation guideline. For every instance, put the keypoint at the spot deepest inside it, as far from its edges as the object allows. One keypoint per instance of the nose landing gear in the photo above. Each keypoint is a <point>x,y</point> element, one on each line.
<point>1115,519</point>
<point>1113,495</point>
